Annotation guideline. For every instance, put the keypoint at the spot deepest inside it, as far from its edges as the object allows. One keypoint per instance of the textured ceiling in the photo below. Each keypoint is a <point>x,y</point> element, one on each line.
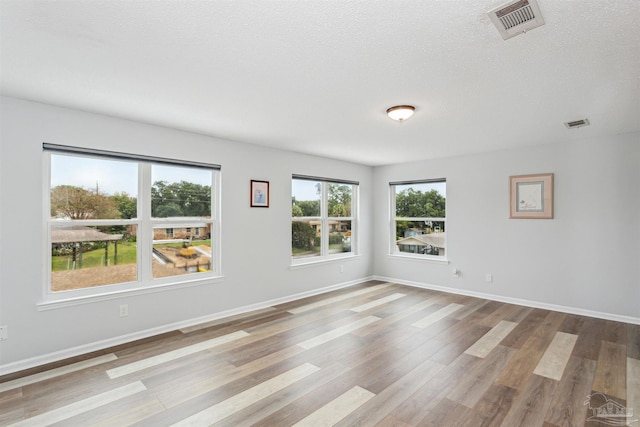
<point>317,76</point>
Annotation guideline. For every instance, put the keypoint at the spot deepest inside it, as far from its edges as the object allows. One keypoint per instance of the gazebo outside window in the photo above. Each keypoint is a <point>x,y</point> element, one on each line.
<point>77,235</point>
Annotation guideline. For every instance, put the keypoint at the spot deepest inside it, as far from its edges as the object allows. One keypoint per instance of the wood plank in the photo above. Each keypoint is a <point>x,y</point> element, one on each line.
<point>567,406</point>
<point>337,409</point>
<point>391,421</point>
<point>173,355</point>
<point>472,306</point>
<point>438,315</point>
<point>398,317</point>
<point>471,388</point>
<point>633,342</point>
<point>338,332</point>
<point>173,393</point>
<point>337,298</point>
<point>62,370</point>
<point>633,385</point>
<point>449,352</point>
<point>248,397</point>
<point>499,314</point>
<point>446,413</point>
<point>573,324</point>
<point>491,339</point>
<point>611,370</point>
<point>526,327</point>
<point>377,302</point>
<point>525,361</point>
<point>275,404</point>
<point>377,408</point>
<point>520,313</point>
<point>81,406</point>
<point>491,409</point>
<point>555,358</point>
<point>422,336</point>
<point>311,399</point>
<point>532,404</point>
<point>416,406</point>
<point>236,320</point>
<point>123,412</point>
<point>392,369</point>
<point>589,337</point>
<point>615,332</point>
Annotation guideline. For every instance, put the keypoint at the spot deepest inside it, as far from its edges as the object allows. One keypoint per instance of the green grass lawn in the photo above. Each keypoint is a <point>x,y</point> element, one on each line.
<point>95,258</point>
<point>179,244</point>
<point>126,255</point>
<point>299,252</point>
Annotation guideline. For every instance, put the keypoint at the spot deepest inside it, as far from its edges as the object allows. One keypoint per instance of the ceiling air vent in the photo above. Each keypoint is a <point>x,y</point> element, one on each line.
<point>577,123</point>
<point>516,17</point>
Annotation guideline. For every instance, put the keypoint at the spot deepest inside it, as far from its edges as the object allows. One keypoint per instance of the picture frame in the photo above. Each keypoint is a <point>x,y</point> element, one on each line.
<point>259,194</point>
<point>531,196</point>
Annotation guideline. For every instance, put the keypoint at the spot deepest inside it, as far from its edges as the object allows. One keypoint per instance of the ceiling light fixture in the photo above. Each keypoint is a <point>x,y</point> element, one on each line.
<point>400,113</point>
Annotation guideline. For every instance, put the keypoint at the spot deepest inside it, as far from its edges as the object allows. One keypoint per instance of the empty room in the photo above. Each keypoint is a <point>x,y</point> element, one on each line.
<point>319,213</point>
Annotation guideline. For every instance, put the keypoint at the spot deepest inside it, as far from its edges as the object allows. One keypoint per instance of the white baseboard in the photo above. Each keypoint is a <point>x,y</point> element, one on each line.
<point>516,301</point>
<point>123,339</point>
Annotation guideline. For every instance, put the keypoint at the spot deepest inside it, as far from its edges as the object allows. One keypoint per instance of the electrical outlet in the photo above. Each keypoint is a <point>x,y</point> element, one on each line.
<point>4,333</point>
<point>124,310</point>
<point>488,278</point>
<point>342,269</point>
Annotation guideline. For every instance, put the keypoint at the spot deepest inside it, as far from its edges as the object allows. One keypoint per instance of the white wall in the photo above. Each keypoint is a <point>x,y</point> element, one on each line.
<point>255,242</point>
<point>587,258</point>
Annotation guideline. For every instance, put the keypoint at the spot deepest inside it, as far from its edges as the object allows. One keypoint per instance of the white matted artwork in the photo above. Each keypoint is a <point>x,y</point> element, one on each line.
<point>531,196</point>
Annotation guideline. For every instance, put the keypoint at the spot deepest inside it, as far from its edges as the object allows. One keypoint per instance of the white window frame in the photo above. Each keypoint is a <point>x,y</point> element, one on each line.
<point>325,219</point>
<point>145,224</point>
<point>393,252</point>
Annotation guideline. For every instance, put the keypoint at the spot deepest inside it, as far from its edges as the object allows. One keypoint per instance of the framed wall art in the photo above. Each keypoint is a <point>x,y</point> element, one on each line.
<point>259,194</point>
<point>531,196</point>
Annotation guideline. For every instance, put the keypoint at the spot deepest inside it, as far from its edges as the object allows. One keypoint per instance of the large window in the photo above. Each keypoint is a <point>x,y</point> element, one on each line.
<point>128,222</point>
<point>323,215</point>
<point>418,209</point>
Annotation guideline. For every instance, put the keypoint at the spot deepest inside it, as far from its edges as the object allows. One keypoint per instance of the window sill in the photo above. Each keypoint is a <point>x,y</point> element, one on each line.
<point>49,303</point>
<point>306,264</point>
<point>420,258</point>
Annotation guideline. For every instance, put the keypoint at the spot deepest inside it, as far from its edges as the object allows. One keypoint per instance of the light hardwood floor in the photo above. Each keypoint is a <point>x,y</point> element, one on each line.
<point>378,354</point>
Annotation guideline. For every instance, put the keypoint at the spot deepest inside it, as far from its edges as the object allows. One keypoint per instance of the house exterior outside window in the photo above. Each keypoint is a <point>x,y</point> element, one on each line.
<point>418,212</point>
<point>119,222</point>
<point>323,218</point>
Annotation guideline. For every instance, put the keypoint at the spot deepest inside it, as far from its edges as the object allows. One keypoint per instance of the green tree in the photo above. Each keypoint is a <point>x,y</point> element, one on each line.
<point>339,200</point>
<point>306,208</point>
<point>180,199</point>
<point>81,203</point>
<point>412,203</point>
<point>168,210</point>
<point>302,235</point>
<point>295,210</point>
<point>127,205</point>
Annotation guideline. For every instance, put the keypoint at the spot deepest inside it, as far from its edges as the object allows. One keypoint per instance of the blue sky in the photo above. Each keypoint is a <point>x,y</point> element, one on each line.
<point>302,189</point>
<point>113,176</point>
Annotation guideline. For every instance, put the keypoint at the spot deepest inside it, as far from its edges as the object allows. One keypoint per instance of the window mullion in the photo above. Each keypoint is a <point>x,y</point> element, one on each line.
<point>393,219</point>
<point>324,214</point>
<point>145,234</point>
